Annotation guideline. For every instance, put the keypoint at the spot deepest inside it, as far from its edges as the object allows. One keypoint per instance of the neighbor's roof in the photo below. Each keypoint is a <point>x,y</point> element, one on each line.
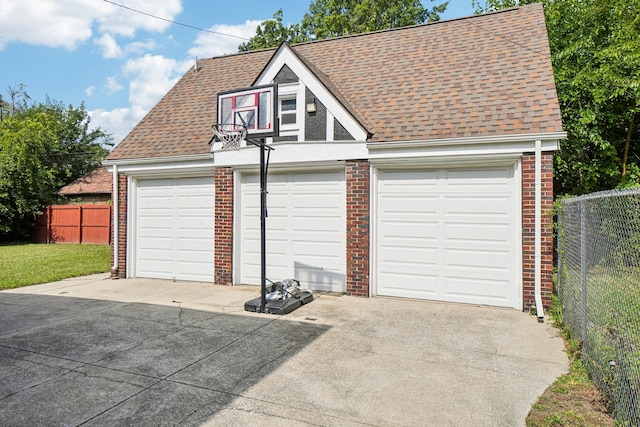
<point>98,181</point>
<point>485,75</point>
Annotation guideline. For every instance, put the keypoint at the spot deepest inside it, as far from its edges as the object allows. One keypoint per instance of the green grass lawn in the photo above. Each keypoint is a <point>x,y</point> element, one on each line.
<point>30,264</point>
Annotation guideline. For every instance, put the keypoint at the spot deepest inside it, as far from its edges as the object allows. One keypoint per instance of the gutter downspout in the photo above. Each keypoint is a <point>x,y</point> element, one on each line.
<point>538,232</point>
<point>116,243</point>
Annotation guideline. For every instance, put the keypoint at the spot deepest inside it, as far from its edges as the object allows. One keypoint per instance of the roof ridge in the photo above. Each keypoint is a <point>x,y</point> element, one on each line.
<point>247,52</point>
<point>408,27</point>
<point>387,30</point>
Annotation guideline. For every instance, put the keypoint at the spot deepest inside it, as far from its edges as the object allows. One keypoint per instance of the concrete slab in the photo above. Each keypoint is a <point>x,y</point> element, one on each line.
<point>147,352</point>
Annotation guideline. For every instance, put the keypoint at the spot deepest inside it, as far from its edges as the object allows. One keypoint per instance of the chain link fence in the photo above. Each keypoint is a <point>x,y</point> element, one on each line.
<point>599,290</point>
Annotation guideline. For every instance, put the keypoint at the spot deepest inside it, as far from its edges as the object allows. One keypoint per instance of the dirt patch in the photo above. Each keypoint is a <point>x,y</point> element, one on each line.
<point>570,402</point>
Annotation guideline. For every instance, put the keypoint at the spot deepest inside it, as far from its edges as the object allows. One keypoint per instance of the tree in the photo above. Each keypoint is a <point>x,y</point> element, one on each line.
<point>43,147</point>
<point>595,49</point>
<point>272,33</point>
<point>332,18</point>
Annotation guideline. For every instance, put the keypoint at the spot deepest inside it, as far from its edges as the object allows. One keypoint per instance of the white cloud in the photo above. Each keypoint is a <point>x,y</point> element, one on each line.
<point>117,122</point>
<point>49,23</point>
<point>110,49</point>
<point>66,24</point>
<point>207,44</point>
<point>139,46</point>
<point>125,22</point>
<point>113,86</point>
<point>151,78</point>
<point>108,46</point>
<point>89,91</point>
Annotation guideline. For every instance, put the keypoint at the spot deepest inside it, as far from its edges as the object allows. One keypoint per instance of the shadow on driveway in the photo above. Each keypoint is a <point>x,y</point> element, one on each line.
<point>73,361</point>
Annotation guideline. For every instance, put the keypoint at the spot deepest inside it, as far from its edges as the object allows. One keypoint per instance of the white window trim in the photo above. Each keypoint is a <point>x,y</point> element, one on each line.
<point>290,91</point>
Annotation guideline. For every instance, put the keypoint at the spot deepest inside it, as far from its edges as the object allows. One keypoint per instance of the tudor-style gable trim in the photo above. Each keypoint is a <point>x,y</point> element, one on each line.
<point>285,56</point>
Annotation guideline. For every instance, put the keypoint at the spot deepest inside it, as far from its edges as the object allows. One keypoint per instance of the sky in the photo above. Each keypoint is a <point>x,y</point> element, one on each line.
<point>120,62</point>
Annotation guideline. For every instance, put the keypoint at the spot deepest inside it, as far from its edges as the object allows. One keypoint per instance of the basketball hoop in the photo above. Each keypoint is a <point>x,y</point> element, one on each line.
<point>231,135</point>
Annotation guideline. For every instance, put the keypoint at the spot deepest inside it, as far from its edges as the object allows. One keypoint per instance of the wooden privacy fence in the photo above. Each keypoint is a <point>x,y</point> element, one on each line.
<point>74,224</point>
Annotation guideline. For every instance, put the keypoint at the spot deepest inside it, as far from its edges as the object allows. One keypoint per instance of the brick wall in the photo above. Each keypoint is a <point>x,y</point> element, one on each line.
<point>358,184</point>
<point>121,272</point>
<point>528,230</point>
<point>223,246</point>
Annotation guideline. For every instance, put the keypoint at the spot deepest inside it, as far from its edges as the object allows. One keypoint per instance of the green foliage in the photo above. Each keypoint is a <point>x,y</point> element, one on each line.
<point>493,5</point>
<point>595,47</point>
<point>31,264</point>
<point>272,33</point>
<point>332,18</point>
<point>43,147</point>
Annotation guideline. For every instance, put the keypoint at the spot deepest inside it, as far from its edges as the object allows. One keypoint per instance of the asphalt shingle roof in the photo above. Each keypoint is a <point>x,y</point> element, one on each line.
<point>98,181</point>
<point>485,75</point>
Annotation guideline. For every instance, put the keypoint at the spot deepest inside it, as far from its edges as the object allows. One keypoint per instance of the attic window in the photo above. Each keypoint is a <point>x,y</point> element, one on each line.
<point>288,111</point>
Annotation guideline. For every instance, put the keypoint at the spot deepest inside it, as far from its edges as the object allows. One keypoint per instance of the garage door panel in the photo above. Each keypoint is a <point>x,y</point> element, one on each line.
<point>487,290</point>
<point>194,204</point>
<point>159,268</point>
<point>153,243</point>
<point>413,285</point>
<point>401,257</point>
<point>477,260</point>
<point>416,229</point>
<point>159,227</point>
<point>276,226</point>
<point>312,202</point>
<point>498,176</point>
<point>190,246</point>
<point>477,206</point>
<point>327,252</point>
<point>317,227</point>
<point>456,229</point>
<point>154,187</point>
<point>159,254</point>
<point>192,224</point>
<point>482,232</point>
<point>305,229</point>
<point>275,202</point>
<point>394,205</point>
<point>405,181</point>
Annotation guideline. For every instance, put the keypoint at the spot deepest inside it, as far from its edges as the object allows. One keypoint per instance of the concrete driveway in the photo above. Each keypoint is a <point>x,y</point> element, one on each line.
<point>94,351</point>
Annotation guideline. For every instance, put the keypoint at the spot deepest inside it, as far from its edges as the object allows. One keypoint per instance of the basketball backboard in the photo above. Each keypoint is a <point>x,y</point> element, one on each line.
<point>254,108</point>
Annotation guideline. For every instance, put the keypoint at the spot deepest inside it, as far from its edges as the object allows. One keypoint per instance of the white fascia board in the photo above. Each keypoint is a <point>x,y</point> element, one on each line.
<point>485,159</point>
<point>458,150</point>
<point>550,142</point>
<point>442,154</point>
<point>285,56</point>
<point>196,165</point>
<point>293,152</point>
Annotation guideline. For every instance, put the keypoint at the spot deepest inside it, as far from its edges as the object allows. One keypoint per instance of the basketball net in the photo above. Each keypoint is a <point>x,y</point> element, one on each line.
<point>231,135</point>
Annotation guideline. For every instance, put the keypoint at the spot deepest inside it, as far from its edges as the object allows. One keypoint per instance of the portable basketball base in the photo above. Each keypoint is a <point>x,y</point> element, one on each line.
<point>252,112</point>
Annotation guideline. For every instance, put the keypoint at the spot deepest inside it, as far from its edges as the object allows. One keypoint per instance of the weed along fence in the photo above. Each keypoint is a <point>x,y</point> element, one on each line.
<point>74,224</point>
<point>599,290</point>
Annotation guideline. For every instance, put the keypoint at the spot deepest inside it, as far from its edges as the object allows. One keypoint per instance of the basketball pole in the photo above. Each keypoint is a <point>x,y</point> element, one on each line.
<point>263,227</point>
<point>264,169</point>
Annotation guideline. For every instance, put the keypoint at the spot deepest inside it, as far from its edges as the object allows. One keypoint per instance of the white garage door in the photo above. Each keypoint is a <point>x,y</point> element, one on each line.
<point>448,235</point>
<point>305,229</point>
<point>175,228</point>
